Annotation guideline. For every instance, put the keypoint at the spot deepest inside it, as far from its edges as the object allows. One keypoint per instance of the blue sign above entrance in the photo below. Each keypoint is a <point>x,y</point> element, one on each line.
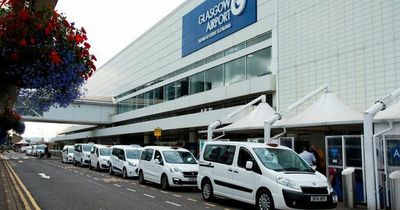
<point>214,20</point>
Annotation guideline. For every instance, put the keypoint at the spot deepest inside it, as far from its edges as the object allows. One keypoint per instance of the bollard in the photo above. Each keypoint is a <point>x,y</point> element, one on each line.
<point>394,180</point>
<point>348,187</point>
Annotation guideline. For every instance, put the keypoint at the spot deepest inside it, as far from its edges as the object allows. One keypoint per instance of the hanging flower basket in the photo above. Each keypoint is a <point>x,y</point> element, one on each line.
<point>44,59</point>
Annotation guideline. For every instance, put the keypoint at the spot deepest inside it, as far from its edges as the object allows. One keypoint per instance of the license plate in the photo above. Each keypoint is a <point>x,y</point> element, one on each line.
<point>192,179</point>
<point>318,198</point>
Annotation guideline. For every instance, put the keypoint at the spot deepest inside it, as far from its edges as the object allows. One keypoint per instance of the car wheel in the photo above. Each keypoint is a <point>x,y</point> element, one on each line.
<point>164,182</point>
<point>110,171</point>
<point>264,200</point>
<point>98,166</point>
<point>141,178</point>
<point>74,162</point>
<point>207,190</point>
<point>90,165</point>
<point>124,174</point>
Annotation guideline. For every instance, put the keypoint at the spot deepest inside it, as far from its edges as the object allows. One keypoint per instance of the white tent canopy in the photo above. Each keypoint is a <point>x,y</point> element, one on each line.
<point>253,120</point>
<point>22,142</point>
<point>391,113</point>
<point>327,110</point>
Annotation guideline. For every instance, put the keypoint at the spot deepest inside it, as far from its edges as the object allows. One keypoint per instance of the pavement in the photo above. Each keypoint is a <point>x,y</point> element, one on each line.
<point>80,188</point>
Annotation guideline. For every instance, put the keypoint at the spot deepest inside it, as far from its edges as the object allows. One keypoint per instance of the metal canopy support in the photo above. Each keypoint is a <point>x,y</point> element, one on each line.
<point>368,145</point>
<point>277,116</point>
<point>217,123</point>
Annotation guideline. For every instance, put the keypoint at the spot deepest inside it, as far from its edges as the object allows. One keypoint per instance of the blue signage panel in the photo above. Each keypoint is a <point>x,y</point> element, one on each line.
<point>214,20</point>
<point>393,156</point>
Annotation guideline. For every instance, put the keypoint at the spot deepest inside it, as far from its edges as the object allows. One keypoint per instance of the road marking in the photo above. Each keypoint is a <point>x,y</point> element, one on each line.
<point>20,161</point>
<point>43,176</point>
<point>175,204</point>
<point>96,178</point>
<point>152,188</point>
<point>142,186</point>
<point>226,209</point>
<point>81,173</point>
<point>179,196</point>
<point>209,204</point>
<point>117,185</point>
<point>134,183</point>
<point>31,199</point>
<point>75,171</point>
<point>129,189</point>
<point>88,176</point>
<point>147,195</point>
<point>191,199</point>
<point>165,192</point>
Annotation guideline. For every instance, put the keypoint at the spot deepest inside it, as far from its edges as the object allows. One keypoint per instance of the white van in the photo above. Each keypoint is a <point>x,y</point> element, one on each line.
<point>100,157</point>
<point>67,155</point>
<point>268,176</point>
<point>82,154</point>
<point>124,159</point>
<point>170,167</point>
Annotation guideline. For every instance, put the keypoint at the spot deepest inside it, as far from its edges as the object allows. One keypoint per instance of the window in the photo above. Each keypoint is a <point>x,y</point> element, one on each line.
<point>140,101</point>
<point>182,87</point>
<point>259,63</point>
<point>148,98</point>
<point>104,152</point>
<point>258,39</point>
<point>87,147</point>
<point>147,154</point>
<point>179,157</point>
<point>235,49</point>
<point>282,160</point>
<point>170,91</point>
<point>197,83</point>
<point>133,154</point>
<point>121,155</point>
<point>157,156</point>
<point>220,153</point>
<point>214,57</point>
<point>214,77</point>
<point>234,71</point>
<point>159,95</point>
<point>244,156</point>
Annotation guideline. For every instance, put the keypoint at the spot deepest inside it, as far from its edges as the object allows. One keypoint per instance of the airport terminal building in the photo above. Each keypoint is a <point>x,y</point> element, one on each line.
<point>206,58</point>
<point>209,57</point>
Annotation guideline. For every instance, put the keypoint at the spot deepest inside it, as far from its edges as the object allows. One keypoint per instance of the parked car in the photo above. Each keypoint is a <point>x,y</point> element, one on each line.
<point>40,150</point>
<point>124,159</point>
<point>268,176</point>
<point>170,167</point>
<point>28,150</point>
<point>82,154</point>
<point>100,157</point>
<point>33,152</point>
<point>67,155</point>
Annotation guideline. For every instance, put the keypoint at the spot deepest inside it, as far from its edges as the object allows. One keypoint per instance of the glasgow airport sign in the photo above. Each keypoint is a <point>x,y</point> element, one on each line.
<point>214,20</point>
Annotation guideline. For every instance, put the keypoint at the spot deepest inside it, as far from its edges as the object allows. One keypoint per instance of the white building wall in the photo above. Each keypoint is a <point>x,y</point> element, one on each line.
<point>158,51</point>
<point>352,45</point>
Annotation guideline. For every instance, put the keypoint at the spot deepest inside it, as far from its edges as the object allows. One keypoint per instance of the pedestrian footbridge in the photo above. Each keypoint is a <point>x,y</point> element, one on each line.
<point>85,111</point>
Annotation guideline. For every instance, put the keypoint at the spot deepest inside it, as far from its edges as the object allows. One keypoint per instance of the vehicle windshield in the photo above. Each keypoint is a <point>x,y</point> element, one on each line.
<point>87,148</point>
<point>70,150</point>
<point>133,153</point>
<point>180,157</point>
<point>41,147</point>
<point>282,160</point>
<point>105,152</point>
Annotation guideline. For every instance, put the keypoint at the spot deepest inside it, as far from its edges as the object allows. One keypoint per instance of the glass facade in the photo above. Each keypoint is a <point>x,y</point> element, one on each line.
<point>253,65</point>
<point>238,47</point>
<point>197,83</point>
<point>235,71</point>
<point>259,63</point>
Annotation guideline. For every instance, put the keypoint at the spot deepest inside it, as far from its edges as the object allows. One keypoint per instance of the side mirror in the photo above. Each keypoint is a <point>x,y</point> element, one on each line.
<point>249,165</point>
<point>157,161</point>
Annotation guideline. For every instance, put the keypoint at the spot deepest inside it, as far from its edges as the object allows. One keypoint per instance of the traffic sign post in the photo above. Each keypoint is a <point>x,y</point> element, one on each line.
<point>157,134</point>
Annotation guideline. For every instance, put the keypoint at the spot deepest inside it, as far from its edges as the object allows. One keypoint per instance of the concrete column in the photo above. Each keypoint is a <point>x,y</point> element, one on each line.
<point>146,139</point>
<point>192,137</point>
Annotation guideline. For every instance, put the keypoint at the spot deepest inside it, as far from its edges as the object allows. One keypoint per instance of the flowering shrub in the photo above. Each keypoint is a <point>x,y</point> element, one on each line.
<point>42,54</point>
<point>44,60</point>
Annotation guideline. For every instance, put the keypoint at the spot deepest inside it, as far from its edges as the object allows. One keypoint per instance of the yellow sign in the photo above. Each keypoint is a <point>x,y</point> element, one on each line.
<point>157,132</point>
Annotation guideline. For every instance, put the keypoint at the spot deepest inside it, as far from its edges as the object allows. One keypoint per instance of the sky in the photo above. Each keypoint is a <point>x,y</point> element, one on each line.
<point>110,26</point>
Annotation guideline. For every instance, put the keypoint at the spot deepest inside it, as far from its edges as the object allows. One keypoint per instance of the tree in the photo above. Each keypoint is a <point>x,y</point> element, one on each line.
<point>44,60</point>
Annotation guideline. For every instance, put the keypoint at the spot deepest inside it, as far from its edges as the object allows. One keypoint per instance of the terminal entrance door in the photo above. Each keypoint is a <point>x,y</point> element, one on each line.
<point>287,141</point>
<point>342,152</point>
<point>388,161</point>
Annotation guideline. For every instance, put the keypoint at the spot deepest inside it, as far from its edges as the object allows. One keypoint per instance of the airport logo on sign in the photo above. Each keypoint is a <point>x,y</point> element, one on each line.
<point>213,20</point>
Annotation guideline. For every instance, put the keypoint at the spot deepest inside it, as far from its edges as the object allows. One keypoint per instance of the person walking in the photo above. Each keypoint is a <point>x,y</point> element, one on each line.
<point>320,159</point>
<point>308,156</point>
